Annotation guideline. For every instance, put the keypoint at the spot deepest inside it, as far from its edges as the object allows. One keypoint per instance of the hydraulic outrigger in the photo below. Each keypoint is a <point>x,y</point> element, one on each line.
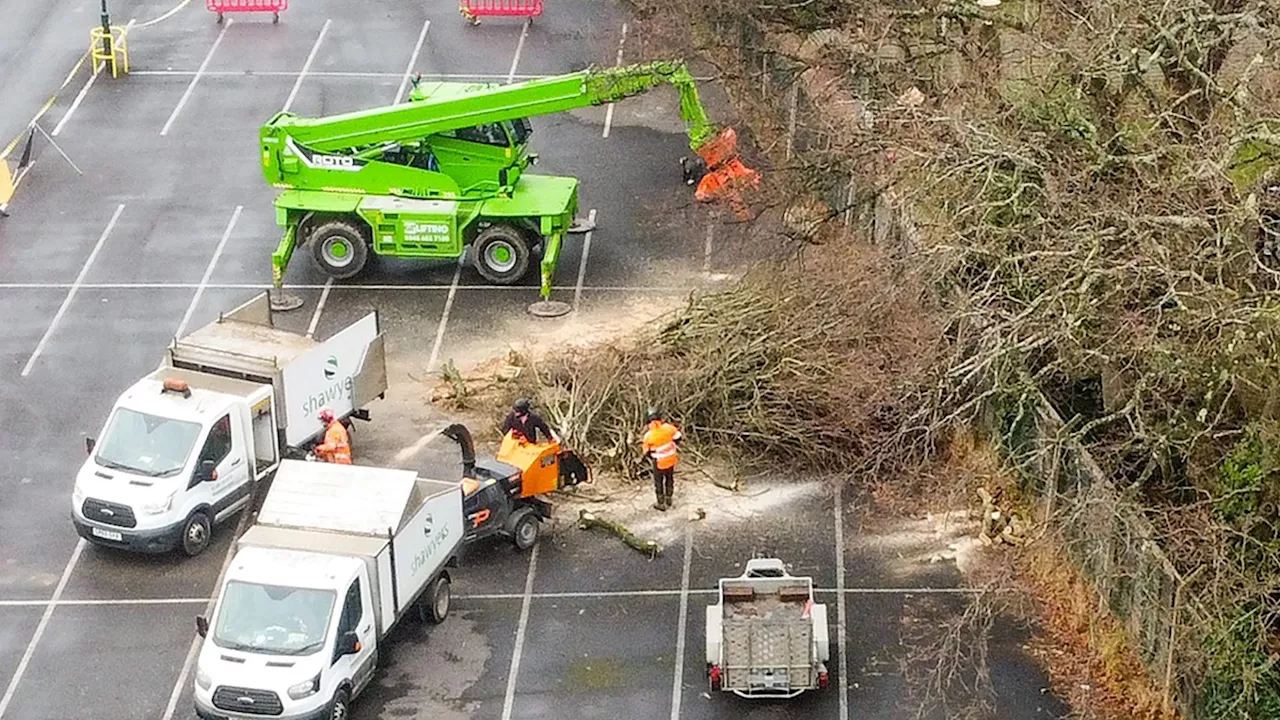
<point>447,169</point>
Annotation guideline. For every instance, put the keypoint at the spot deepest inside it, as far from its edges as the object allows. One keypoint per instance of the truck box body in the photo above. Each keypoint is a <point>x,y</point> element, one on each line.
<point>402,526</point>
<point>343,373</point>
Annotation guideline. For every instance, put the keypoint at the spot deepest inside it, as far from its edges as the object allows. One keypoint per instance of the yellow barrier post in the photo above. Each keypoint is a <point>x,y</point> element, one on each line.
<point>6,184</point>
<point>108,44</point>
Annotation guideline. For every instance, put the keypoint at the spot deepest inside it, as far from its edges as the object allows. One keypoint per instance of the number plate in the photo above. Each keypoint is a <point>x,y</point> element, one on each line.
<point>107,534</point>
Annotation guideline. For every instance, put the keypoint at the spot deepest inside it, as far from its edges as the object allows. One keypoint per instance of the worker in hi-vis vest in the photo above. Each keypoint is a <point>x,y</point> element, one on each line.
<point>336,447</point>
<point>660,444</point>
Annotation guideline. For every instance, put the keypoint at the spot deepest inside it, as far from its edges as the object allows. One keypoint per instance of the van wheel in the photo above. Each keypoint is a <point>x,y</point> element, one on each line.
<point>524,533</point>
<point>195,534</point>
<point>339,248</point>
<point>502,254</point>
<point>338,710</point>
<point>438,600</point>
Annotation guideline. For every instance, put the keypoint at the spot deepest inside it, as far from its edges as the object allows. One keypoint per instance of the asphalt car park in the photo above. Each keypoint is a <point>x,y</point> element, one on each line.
<point>164,221</point>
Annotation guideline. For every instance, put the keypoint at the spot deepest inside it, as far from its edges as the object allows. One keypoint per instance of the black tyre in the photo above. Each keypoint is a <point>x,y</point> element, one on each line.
<point>339,247</point>
<point>196,534</point>
<point>438,600</point>
<point>503,254</point>
<point>338,708</point>
<point>524,532</point>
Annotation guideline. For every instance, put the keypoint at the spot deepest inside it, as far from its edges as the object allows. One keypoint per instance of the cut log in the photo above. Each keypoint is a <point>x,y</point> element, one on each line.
<point>588,521</point>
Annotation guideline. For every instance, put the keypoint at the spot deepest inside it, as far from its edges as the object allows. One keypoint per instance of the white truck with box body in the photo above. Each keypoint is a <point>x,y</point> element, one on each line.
<point>766,637</point>
<point>184,447</point>
<point>338,555</point>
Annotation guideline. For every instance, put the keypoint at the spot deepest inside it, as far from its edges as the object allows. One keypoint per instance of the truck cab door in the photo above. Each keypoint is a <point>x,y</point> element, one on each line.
<point>224,447</point>
<point>357,617</point>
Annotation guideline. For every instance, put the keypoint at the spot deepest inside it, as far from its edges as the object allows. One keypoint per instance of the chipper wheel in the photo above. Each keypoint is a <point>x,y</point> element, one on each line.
<point>339,247</point>
<point>503,254</point>
<point>524,526</point>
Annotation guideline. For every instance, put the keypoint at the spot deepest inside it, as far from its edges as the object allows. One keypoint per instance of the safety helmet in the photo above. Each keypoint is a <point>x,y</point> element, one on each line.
<point>521,406</point>
<point>326,415</point>
<point>652,414</point>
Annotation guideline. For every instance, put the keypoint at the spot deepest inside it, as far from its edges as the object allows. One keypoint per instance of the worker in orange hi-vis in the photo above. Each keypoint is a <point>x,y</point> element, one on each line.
<point>336,447</point>
<point>660,444</point>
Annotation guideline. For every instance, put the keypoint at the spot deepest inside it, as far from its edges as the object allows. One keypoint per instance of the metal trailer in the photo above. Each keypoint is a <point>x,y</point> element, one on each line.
<point>473,10</point>
<point>766,637</point>
<point>222,7</point>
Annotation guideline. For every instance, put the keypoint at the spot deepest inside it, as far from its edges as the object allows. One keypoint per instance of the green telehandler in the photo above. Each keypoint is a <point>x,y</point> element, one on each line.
<point>448,169</point>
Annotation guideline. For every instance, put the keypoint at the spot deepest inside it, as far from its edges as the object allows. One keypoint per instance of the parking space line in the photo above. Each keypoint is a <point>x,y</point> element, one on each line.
<point>608,113</point>
<point>413,60</point>
<point>352,74</point>
<point>306,66</point>
<point>444,316</point>
<point>191,87</point>
<point>75,104</point>
<point>521,627</point>
<point>315,316</point>
<point>71,293</point>
<point>840,602</point>
<point>706,250</point>
<point>515,61</point>
<point>126,601</point>
<point>40,627</point>
<point>208,271</point>
<point>677,680</point>
<point>582,264</point>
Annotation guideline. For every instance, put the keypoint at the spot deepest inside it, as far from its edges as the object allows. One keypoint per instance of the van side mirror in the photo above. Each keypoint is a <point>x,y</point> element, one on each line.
<point>89,445</point>
<point>202,626</point>
<point>207,473</point>
<point>348,643</point>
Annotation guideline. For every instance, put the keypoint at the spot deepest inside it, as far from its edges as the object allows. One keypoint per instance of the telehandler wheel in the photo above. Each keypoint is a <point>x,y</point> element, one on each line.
<point>437,600</point>
<point>524,529</point>
<point>339,248</point>
<point>502,254</point>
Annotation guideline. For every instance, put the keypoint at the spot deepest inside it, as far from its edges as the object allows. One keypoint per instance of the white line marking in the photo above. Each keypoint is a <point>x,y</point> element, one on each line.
<point>520,596</point>
<point>521,627</point>
<point>524,33</point>
<point>186,95</point>
<point>608,113</point>
<point>44,622</point>
<point>706,251</point>
<point>123,602</point>
<point>306,66</point>
<point>75,104</point>
<point>582,265</point>
<point>208,271</point>
<point>305,286</point>
<point>71,293</point>
<point>677,680</point>
<point>840,603</point>
<point>347,74</point>
<point>413,60</point>
<point>208,610</point>
<point>444,316</point>
<point>165,16</point>
<point>315,317</point>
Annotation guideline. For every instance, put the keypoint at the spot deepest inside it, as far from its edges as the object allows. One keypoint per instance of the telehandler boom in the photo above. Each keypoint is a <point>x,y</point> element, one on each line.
<point>448,168</point>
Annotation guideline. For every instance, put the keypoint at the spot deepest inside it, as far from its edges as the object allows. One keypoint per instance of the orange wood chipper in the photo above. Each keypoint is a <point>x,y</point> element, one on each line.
<point>503,496</point>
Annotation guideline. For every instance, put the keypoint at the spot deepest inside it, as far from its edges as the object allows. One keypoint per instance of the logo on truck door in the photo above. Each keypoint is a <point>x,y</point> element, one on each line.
<point>330,367</point>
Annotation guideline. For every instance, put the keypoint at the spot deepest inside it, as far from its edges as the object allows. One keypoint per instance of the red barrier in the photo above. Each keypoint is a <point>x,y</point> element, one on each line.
<point>473,10</point>
<point>225,6</point>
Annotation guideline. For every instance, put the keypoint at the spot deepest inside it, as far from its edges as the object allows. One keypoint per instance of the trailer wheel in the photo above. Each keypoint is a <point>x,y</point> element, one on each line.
<point>195,534</point>
<point>524,531</point>
<point>338,708</point>
<point>502,254</point>
<point>339,248</point>
<point>438,600</point>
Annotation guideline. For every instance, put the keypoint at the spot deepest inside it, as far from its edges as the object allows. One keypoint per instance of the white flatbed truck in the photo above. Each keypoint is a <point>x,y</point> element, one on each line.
<point>339,554</point>
<point>183,448</point>
<point>766,637</point>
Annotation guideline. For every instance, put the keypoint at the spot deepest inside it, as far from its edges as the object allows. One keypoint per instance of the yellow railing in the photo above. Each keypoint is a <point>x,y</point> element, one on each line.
<point>109,47</point>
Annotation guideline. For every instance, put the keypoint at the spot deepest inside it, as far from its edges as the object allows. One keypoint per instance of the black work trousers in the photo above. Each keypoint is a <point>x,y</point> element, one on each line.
<point>664,484</point>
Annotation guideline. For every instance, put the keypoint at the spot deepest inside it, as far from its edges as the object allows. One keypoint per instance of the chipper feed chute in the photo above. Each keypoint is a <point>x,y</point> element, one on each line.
<point>727,177</point>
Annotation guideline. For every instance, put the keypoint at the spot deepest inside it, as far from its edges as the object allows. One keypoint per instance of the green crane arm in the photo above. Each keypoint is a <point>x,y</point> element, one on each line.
<point>442,107</point>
